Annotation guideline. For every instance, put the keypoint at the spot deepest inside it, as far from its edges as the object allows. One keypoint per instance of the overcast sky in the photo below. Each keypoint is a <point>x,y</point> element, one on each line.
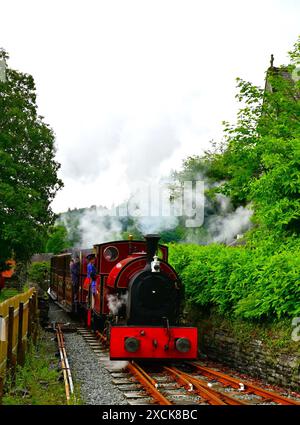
<point>133,87</point>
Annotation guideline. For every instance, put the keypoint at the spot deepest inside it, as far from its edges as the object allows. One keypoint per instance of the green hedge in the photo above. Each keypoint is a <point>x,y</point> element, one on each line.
<point>239,281</point>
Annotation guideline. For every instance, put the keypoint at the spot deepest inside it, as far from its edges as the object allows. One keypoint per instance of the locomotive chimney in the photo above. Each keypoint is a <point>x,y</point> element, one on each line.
<point>152,244</point>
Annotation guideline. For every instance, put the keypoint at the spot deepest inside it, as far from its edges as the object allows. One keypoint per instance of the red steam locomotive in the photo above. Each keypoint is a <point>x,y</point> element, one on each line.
<point>135,301</point>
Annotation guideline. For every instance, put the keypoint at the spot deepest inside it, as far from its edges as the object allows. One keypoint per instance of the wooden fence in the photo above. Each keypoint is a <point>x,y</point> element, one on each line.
<point>18,322</point>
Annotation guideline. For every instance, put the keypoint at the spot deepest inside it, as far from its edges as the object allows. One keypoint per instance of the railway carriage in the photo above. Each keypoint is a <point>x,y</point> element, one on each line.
<point>60,280</point>
<point>136,302</point>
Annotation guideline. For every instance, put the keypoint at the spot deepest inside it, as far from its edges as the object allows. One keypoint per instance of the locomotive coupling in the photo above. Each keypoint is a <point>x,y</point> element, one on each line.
<point>155,265</point>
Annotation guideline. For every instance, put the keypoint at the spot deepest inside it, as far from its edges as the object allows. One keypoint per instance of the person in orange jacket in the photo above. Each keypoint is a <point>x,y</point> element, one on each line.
<point>90,280</point>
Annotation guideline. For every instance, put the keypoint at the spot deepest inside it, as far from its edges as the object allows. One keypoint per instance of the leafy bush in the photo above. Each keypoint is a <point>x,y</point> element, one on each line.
<point>38,273</point>
<point>8,293</point>
<point>240,281</point>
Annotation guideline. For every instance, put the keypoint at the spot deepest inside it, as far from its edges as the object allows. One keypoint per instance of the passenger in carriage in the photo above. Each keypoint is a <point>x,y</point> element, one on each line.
<point>75,274</point>
<point>91,273</point>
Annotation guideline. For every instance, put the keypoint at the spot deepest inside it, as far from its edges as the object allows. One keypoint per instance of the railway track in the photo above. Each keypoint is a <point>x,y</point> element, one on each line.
<point>186,383</point>
<point>242,385</point>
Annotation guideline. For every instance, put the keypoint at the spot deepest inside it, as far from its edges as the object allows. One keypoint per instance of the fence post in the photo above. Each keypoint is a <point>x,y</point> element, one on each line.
<point>20,352</point>
<point>35,325</point>
<point>29,330</point>
<point>11,360</point>
<point>1,389</point>
<point>11,312</point>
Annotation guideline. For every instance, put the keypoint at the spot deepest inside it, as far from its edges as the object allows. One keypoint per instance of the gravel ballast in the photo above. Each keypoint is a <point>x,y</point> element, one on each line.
<point>94,381</point>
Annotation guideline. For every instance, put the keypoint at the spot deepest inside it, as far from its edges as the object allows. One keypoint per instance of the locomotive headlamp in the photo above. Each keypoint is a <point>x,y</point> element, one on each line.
<point>131,344</point>
<point>183,345</point>
<point>155,265</point>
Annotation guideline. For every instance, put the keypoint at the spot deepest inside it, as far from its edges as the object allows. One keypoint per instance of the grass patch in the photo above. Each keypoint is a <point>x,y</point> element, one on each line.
<point>39,382</point>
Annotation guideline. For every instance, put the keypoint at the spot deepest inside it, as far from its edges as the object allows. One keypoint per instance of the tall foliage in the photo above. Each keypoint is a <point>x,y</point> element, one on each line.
<point>240,282</point>
<point>258,164</point>
<point>261,162</point>
<point>28,170</point>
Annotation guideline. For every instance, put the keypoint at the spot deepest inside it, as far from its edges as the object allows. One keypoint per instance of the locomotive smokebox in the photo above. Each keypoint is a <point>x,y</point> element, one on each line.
<point>152,244</point>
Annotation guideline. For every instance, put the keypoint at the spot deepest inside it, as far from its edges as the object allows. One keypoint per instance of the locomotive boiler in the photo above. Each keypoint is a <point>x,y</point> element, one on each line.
<point>136,300</point>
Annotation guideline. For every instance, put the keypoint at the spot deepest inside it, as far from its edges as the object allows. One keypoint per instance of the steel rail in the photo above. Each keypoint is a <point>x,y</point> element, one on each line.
<point>209,395</point>
<point>102,337</point>
<point>147,385</point>
<point>249,387</point>
<point>148,377</point>
<point>63,367</point>
<point>225,397</point>
<point>180,378</point>
<point>69,387</point>
<point>66,362</point>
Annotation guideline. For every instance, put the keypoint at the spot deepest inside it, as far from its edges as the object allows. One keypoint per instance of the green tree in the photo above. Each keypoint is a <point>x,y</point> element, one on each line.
<point>28,170</point>
<point>260,162</point>
<point>71,220</point>
<point>58,239</point>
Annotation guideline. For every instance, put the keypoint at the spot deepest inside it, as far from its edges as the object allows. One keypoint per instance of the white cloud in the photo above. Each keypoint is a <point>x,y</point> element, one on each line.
<point>132,87</point>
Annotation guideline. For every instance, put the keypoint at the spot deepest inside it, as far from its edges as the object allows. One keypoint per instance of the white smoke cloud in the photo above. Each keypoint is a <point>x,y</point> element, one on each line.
<point>156,224</point>
<point>151,213</point>
<point>148,214</point>
<point>224,202</point>
<point>224,228</point>
<point>116,301</point>
<point>96,227</point>
<point>150,205</point>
